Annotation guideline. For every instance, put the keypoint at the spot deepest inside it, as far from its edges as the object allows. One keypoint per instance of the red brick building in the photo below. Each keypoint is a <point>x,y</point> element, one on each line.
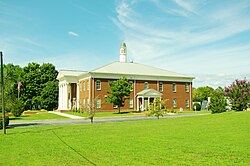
<point>77,88</point>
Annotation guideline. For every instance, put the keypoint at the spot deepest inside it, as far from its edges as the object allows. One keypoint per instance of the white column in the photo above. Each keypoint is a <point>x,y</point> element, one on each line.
<point>65,97</point>
<point>77,96</point>
<point>190,98</point>
<point>148,101</point>
<point>60,98</point>
<point>137,106</point>
<point>142,103</point>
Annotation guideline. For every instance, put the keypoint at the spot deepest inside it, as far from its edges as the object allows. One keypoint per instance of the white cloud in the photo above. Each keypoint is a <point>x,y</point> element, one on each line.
<point>185,5</point>
<point>74,34</point>
<point>193,45</point>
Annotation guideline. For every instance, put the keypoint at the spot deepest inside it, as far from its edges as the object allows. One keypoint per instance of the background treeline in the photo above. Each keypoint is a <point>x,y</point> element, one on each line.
<point>39,88</point>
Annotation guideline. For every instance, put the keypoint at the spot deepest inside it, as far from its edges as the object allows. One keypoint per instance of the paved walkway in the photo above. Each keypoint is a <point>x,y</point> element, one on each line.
<point>87,121</point>
<point>66,115</point>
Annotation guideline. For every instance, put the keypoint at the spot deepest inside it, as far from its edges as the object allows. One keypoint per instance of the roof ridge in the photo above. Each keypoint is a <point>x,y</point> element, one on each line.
<point>72,70</point>
<point>102,66</point>
<point>161,69</point>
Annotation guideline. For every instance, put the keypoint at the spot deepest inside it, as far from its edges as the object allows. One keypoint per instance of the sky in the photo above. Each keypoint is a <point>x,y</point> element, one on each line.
<point>207,39</point>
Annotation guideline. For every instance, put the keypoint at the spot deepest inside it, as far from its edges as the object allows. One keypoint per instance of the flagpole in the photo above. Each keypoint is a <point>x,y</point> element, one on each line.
<point>3,114</point>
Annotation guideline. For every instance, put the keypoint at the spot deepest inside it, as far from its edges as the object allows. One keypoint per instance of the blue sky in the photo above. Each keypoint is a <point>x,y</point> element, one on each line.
<point>208,39</point>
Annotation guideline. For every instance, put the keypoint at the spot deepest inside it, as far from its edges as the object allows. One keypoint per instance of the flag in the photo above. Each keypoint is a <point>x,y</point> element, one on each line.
<point>19,85</point>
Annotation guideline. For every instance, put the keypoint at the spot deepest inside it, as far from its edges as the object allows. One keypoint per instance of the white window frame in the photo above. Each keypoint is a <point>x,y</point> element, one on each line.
<point>98,88</point>
<point>187,102</point>
<point>131,103</point>
<point>187,87</point>
<point>98,103</point>
<point>146,85</point>
<point>161,86</point>
<point>174,87</point>
<point>175,103</point>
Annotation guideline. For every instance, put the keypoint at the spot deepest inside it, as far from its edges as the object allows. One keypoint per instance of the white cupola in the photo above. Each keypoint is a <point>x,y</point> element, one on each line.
<point>123,53</point>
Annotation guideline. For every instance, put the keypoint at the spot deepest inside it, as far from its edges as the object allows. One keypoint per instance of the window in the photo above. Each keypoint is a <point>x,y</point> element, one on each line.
<point>131,83</point>
<point>145,85</point>
<point>174,87</point>
<point>174,103</point>
<point>130,103</point>
<point>187,103</point>
<point>115,106</point>
<point>186,87</point>
<point>160,86</point>
<point>98,103</point>
<point>84,86</point>
<point>98,85</point>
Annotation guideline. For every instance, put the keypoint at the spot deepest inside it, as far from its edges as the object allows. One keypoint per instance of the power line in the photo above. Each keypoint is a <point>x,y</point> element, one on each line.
<point>73,148</point>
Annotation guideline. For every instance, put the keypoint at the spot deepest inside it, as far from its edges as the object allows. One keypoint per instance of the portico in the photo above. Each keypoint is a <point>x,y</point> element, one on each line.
<point>145,97</point>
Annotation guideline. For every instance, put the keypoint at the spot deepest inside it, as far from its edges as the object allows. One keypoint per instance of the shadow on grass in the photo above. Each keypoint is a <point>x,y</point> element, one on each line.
<point>18,118</point>
<point>30,131</point>
<point>117,113</point>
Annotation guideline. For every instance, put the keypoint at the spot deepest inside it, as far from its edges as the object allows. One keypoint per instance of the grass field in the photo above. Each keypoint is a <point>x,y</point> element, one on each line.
<point>215,139</point>
<point>38,116</point>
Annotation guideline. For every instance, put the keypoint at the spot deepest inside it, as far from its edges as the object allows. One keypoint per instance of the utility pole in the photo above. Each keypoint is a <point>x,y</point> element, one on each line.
<point>3,112</point>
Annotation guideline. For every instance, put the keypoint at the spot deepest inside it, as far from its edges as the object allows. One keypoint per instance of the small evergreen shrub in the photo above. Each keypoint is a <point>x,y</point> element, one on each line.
<point>17,108</point>
<point>218,102</point>
<point>197,106</point>
<point>6,122</point>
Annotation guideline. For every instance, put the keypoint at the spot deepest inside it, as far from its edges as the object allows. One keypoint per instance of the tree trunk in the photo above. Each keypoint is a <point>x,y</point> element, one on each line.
<point>119,110</point>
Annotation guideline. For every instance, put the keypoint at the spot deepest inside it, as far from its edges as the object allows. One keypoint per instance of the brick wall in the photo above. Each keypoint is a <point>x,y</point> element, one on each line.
<point>180,95</point>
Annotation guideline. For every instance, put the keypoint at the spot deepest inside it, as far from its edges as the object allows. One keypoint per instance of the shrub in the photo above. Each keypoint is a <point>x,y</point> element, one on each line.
<point>218,102</point>
<point>197,107</point>
<point>157,108</point>
<point>17,108</point>
<point>171,110</point>
<point>239,94</point>
<point>6,122</point>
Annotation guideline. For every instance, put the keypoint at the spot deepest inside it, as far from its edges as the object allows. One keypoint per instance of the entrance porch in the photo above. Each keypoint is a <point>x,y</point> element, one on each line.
<point>145,97</point>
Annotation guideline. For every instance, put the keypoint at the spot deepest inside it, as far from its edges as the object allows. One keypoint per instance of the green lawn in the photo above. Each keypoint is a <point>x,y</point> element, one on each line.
<point>215,139</point>
<point>38,116</point>
<point>107,114</point>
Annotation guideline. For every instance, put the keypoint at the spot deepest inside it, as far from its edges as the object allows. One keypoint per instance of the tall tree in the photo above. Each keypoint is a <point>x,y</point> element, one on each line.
<point>202,93</point>
<point>49,95</point>
<point>239,94</point>
<point>11,76</point>
<point>35,79</point>
<point>118,91</point>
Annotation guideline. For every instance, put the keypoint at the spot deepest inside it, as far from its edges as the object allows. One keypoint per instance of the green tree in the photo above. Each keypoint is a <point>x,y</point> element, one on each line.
<point>202,93</point>
<point>17,107</point>
<point>218,101</point>
<point>11,75</point>
<point>49,95</point>
<point>118,91</point>
<point>239,94</point>
<point>35,79</point>
<point>157,108</point>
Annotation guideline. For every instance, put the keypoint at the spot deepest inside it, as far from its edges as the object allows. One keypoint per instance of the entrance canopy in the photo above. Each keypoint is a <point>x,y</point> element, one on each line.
<point>149,93</point>
<point>145,97</point>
